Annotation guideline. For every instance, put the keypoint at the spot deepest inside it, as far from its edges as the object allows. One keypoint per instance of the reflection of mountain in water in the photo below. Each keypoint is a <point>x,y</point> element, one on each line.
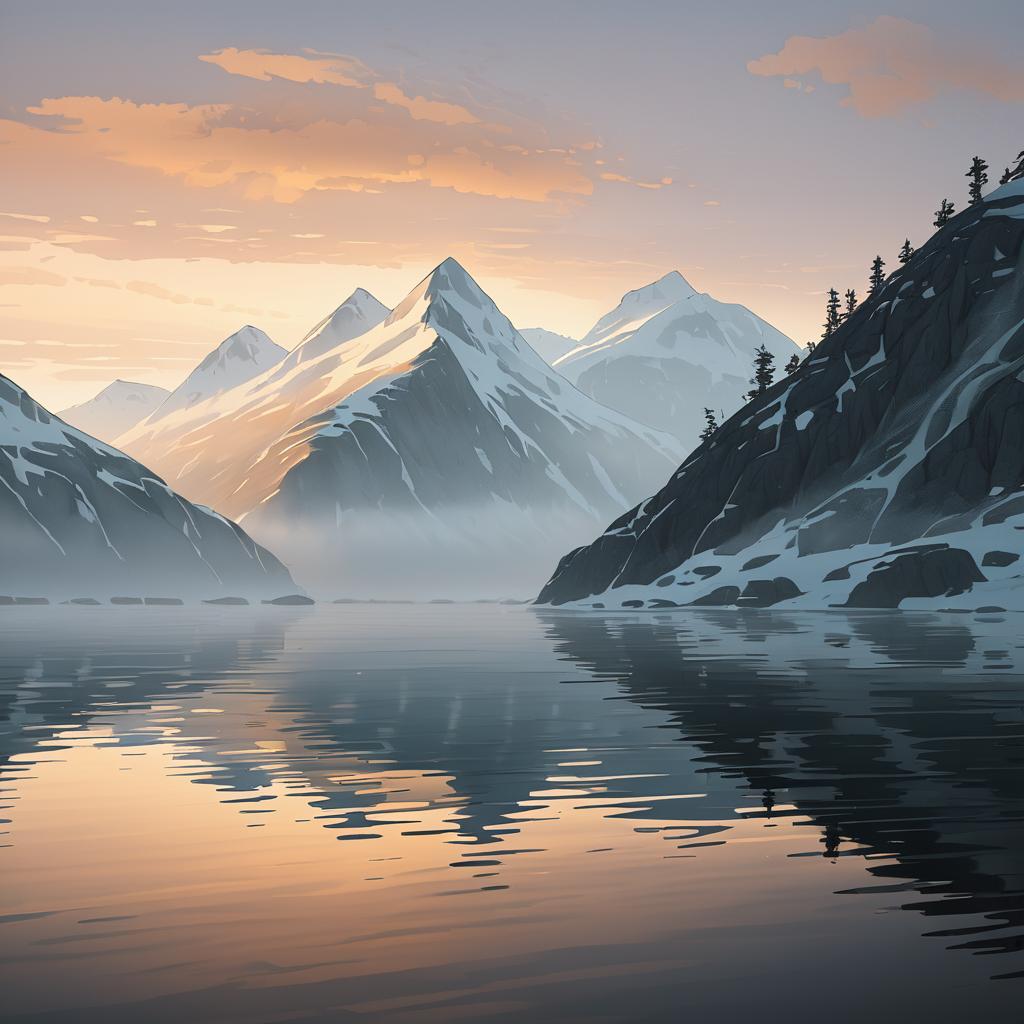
<point>903,736</point>
<point>897,738</point>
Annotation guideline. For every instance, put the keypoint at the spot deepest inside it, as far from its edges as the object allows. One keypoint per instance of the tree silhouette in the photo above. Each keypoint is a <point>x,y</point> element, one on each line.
<point>1017,173</point>
<point>710,424</point>
<point>906,252</point>
<point>978,174</point>
<point>943,213</point>
<point>851,303</point>
<point>832,318</point>
<point>793,365</point>
<point>764,372</point>
<point>877,278</point>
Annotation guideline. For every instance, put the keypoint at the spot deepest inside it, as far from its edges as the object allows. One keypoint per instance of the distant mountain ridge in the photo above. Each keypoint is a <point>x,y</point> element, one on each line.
<point>115,409</point>
<point>667,351</point>
<point>887,471</point>
<point>438,430</point>
<point>237,359</point>
<point>547,344</point>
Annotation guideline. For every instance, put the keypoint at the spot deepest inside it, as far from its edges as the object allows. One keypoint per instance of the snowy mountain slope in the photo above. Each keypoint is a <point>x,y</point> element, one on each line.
<point>79,518</point>
<point>437,431</point>
<point>887,471</point>
<point>238,358</point>
<point>355,316</point>
<point>666,352</point>
<point>117,408</point>
<point>548,345</point>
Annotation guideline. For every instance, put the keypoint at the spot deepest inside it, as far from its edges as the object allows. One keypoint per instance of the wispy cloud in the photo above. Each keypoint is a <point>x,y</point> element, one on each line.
<point>893,64</point>
<point>626,180</point>
<point>309,66</point>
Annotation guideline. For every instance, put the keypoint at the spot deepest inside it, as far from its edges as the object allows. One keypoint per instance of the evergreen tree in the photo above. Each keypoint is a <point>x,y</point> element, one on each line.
<point>906,252</point>
<point>793,365</point>
<point>764,372</point>
<point>851,304</point>
<point>832,318</point>
<point>1017,173</point>
<point>811,346</point>
<point>979,178</point>
<point>943,213</point>
<point>877,278</point>
<point>710,424</point>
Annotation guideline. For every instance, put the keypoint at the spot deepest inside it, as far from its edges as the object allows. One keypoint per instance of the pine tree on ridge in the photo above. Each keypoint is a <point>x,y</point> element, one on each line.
<point>877,278</point>
<point>943,213</point>
<point>978,174</point>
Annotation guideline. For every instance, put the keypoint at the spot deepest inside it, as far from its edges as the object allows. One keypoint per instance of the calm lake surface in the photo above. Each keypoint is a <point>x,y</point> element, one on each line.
<point>484,813</point>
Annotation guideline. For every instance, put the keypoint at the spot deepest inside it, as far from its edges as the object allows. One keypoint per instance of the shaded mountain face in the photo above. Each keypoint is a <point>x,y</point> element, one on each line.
<point>666,352</point>
<point>79,518</point>
<point>437,446</point>
<point>245,354</point>
<point>548,345</point>
<point>887,471</point>
<point>117,408</point>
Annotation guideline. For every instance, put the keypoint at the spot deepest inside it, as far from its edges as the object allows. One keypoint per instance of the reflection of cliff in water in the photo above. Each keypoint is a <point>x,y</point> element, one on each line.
<point>903,734</point>
<point>900,735</point>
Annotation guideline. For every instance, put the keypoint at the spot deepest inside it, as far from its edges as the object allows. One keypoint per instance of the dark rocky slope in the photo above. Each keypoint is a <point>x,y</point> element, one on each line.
<point>78,517</point>
<point>888,468</point>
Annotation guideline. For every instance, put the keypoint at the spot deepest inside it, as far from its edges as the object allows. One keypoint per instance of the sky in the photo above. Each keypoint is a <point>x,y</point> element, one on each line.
<point>170,172</point>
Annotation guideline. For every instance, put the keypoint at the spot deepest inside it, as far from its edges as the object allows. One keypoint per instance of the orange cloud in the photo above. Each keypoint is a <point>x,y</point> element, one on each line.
<point>322,68</point>
<point>422,109</point>
<point>29,276</point>
<point>212,145</point>
<point>893,64</point>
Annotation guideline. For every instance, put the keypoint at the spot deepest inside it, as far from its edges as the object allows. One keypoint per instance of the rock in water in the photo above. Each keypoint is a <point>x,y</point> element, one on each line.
<point>882,472</point>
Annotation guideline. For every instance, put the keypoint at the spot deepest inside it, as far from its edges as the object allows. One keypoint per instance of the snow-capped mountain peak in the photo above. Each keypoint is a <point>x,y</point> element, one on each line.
<point>238,358</point>
<point>359,313</point>
<point>115,409</point>
<point>638,305</point>
<point>440,422</point>
<point>666,351</point>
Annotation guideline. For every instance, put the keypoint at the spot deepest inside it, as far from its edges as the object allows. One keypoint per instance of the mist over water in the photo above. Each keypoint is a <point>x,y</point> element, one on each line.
<point>416,813</point>
<point>487,551</point>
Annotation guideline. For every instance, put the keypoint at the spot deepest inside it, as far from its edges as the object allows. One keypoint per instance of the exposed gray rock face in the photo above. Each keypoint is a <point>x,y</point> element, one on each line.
<point>907,424</point>
<point>79,517</point>
<point>928,572</point>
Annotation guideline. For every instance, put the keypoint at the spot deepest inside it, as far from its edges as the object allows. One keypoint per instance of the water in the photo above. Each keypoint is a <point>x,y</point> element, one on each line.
<point>480,813</point>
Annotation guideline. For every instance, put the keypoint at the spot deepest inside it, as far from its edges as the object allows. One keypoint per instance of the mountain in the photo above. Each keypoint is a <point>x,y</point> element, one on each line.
<point>245,354</point>
<point>436,446</point>
<point>79,518</point>
<point>548,345</point>
<point>117,408</point>
<point>667,351</point>
<point>355,316</point>
<point>887,471</point>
